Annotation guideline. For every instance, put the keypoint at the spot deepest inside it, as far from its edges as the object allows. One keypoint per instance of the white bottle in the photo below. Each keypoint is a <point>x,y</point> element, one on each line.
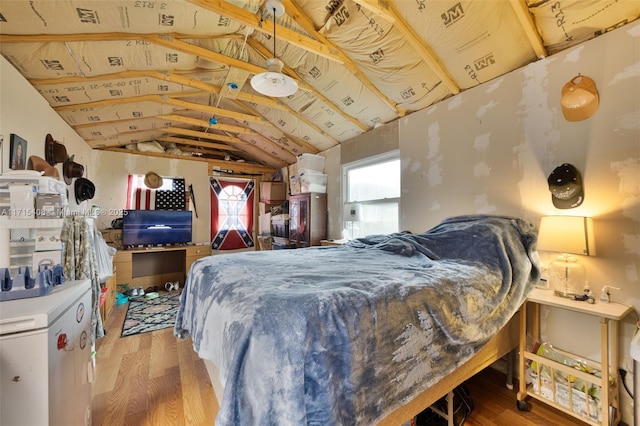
<point>605,296</point>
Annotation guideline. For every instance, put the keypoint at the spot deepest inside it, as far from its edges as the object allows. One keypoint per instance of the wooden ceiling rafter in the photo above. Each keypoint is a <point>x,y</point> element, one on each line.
<point>252,20</point>
<point>528,25</point>
<point>420,46</point>
<point>203,135</point>
<point>205,124</point>
<point>239,167</point>
<point>197,143</point>
<point>312,149</point>
<point>167,75</point>
<point>306,23</point>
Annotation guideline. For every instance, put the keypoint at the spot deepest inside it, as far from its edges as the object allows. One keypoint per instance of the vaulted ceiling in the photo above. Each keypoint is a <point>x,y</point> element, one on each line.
<point>172,77</point>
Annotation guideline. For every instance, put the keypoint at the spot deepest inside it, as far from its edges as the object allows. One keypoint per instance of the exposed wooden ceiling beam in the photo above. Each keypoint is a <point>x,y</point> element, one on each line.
<point>305,22</point>
<point>526,20</point>
<point>204,135</point>
<point>168,100</point>
<point>170,76</point>
<point>205,124</point>
<point>253,21</point>
<point>235,166</point>
<point>425,53</point>
<point>201,144</point>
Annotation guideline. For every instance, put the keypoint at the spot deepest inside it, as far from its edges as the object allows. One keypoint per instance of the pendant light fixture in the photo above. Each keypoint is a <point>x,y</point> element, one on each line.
<point>274,82</point>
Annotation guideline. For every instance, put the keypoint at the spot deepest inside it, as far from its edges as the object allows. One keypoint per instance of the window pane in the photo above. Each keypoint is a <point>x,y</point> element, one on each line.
<point>374,182</point>
<point>379,218</point>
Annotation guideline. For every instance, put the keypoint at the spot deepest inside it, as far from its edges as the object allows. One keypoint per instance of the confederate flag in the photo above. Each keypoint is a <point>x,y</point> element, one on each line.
<point>231,214</point>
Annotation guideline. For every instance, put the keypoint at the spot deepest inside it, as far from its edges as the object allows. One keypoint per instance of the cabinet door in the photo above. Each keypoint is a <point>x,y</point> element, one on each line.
<point>307,219</point>
<point>298,220</point>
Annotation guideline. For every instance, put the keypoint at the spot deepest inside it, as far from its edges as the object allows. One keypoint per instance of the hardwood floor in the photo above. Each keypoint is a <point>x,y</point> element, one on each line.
<point>154,379</point>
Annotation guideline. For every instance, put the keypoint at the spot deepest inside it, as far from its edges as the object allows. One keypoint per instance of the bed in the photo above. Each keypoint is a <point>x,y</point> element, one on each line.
<point>371,332</point>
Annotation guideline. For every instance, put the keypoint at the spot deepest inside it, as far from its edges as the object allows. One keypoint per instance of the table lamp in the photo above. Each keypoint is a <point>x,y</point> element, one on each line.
<point>567,235</point>
<point>351,213</point>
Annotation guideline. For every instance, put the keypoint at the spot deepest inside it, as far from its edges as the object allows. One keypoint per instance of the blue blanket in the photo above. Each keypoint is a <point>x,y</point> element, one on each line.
<point>344,335</point>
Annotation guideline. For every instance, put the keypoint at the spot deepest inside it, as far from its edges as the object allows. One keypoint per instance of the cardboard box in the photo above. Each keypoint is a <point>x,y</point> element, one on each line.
<point>273,192</point>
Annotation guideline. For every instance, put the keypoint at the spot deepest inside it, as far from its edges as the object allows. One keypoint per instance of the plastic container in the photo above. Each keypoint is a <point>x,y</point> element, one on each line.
<point>313,182</point>
<point>310,162</point>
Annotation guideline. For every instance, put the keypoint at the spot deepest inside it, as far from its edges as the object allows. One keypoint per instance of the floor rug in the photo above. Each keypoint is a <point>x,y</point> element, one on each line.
<point>144,315</point>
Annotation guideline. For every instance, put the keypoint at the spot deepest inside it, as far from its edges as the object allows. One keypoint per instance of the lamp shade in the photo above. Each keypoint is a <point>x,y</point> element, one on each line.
<point>273,82</point>
<point>567,234</point>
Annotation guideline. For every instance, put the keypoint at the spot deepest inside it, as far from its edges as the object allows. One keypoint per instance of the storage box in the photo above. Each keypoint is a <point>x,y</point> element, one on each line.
<point>313,182</point>
<point>264,224</point>
<point>280,226</point>
<point>49,206</point>
<point>310,162</point>
<point>273,192</point>
<point>294,185</point>
<point>49,185</point>
<point>22,197</point>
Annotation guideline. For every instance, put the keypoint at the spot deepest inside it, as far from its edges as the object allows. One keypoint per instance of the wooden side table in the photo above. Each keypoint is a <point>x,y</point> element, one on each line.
<point>609,315</point>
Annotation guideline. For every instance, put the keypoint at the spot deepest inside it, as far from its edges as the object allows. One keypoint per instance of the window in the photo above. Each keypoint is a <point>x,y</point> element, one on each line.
<point>372,195</point>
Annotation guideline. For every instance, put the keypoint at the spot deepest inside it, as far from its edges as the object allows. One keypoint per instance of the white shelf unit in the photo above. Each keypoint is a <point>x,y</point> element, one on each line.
<point>553,392</point>
<point>18,253</point>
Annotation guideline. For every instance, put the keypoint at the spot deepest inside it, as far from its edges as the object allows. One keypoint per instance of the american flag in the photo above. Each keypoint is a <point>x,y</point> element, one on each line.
<point>170,196</point>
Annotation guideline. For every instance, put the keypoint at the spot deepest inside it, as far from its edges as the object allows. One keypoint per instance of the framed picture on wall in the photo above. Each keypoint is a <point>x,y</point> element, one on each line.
<point>17,152</point>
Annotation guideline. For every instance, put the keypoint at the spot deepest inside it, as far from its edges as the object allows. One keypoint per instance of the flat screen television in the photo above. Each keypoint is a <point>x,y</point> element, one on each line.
<point>155,227</point>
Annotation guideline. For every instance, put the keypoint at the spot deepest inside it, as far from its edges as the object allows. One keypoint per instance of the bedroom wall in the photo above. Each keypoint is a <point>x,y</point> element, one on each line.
<point>491,149</point>
<point>113,168</point>
<point>23,111</point>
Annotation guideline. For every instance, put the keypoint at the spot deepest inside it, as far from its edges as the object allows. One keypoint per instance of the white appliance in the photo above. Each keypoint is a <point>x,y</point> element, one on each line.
<point>45,358</point>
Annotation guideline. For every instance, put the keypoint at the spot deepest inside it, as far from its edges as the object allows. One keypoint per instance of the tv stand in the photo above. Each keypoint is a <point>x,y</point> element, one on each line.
<point>154,266</point>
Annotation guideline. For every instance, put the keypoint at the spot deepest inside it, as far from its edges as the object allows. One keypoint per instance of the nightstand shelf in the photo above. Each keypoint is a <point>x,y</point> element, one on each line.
<point>548,386</point>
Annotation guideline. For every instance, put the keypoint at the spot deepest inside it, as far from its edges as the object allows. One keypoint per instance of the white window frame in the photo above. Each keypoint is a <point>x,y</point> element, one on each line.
<point>346,168</point>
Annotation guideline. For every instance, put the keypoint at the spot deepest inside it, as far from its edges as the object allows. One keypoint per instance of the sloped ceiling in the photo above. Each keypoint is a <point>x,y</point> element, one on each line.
<point>173,77</point>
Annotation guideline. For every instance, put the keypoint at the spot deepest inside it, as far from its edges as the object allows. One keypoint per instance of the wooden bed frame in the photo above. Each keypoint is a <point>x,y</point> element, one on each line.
<point>500,345</point>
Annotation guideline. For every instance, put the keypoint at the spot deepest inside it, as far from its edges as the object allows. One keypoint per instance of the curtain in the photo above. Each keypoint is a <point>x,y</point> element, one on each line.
<point>231,213</point>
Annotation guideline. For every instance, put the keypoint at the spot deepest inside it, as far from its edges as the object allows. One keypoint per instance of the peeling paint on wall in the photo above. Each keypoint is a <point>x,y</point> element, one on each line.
<point>456,102</point>
<point>628,172</point>
<point>483,110</point>
<point>631,271</point>
<point>482,201</point>
<point>481,169</point>
<point>632,71</point>
<point>493,86</point>
<point>574,55</point>
<point>434,174</point>
<point>631,244</point>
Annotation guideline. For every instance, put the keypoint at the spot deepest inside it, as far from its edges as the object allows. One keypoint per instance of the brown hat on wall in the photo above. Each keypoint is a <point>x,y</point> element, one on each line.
<point>152,180</point>
<point>54,151</point>
<point>71,169</point>
<point>580,99</point>
<point>40,165</point>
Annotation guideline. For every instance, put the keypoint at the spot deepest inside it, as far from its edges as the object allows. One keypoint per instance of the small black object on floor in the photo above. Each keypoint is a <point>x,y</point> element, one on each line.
<point>462,408</point>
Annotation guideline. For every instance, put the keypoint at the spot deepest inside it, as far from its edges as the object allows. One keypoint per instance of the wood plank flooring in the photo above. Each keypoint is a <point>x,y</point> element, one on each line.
<point>155,379</point>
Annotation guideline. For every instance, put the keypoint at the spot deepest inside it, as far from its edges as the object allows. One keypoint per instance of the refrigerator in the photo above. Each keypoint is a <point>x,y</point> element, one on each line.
<point>45,358</point>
